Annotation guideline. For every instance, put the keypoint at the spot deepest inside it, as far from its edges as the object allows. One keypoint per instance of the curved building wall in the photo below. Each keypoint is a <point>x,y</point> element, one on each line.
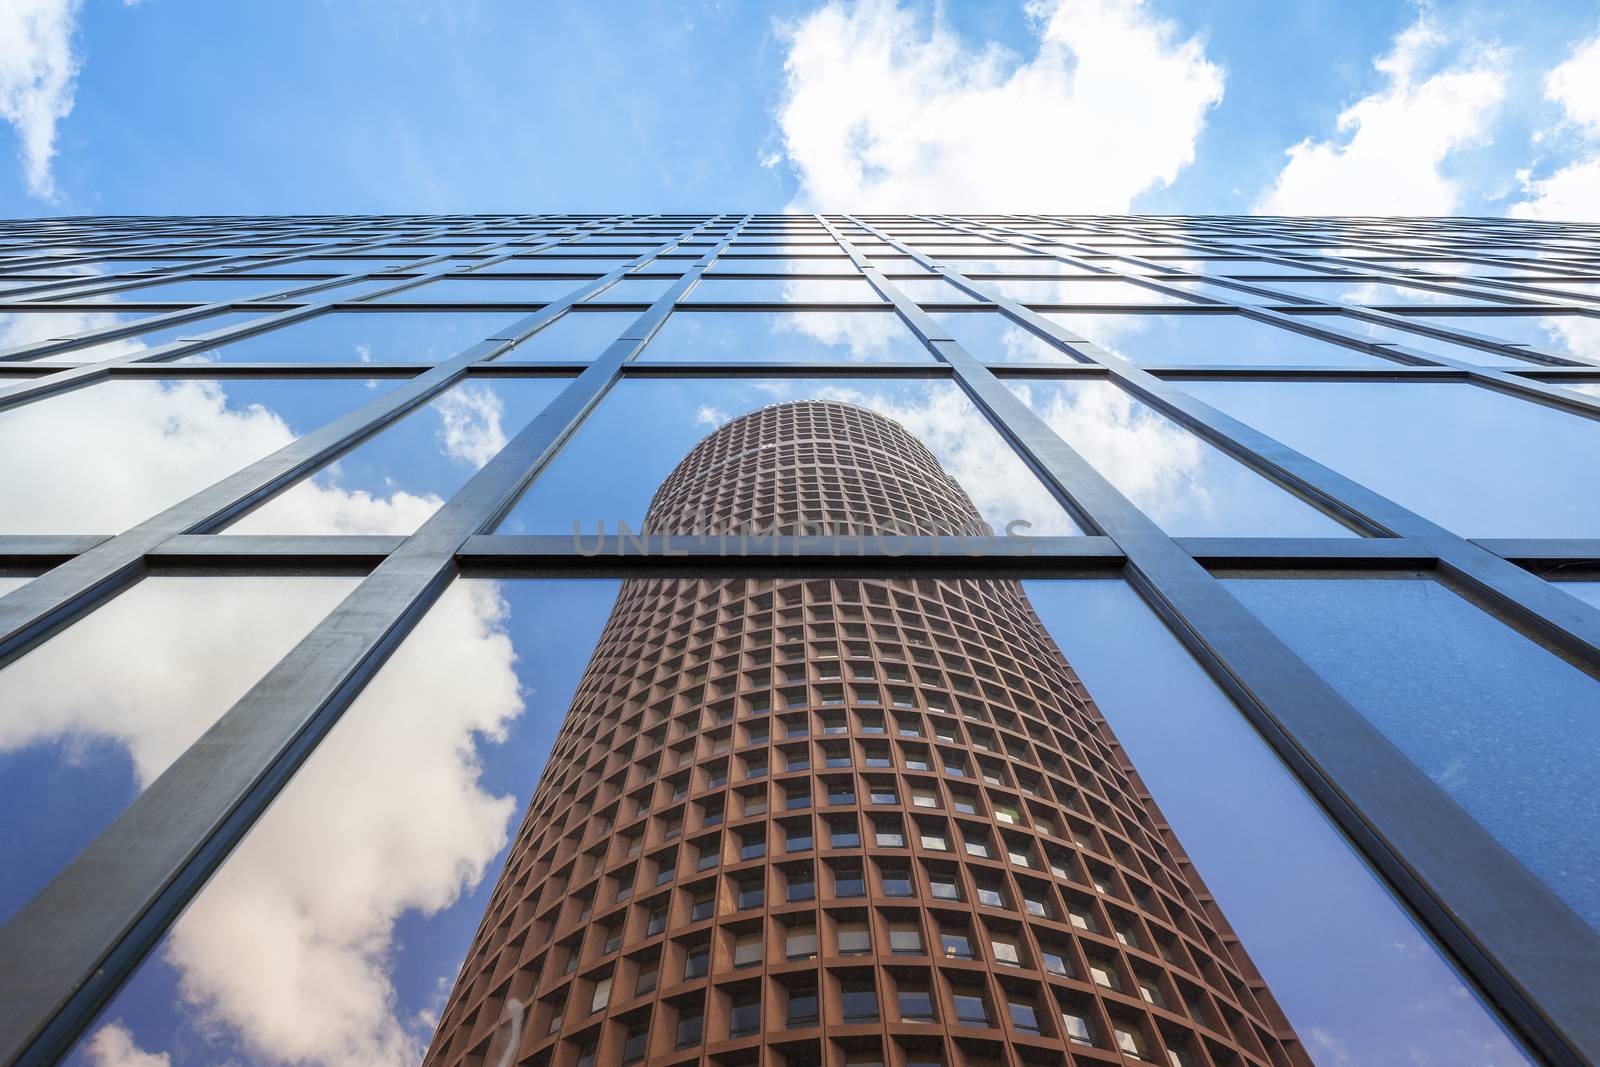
<point>838,821</point>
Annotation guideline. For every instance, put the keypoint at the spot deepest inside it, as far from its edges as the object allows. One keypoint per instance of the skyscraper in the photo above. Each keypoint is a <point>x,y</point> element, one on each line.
<point>884,812</point>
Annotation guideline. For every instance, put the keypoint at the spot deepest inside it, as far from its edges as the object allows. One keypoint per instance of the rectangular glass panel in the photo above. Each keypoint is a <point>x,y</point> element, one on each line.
<point>656,422</point>
<point>1368,292</point>
<point>140,342</point>
<point>102,458</point>
<point>392,482</point>
<point>1567,335</point>
<point>1453,452</point>
<point>1342,957</point>
<point>358,891</point>
<point>783,291</point>
<point>633,290</point>
<point>206,290</point>
<point>1080,291</point>
<point>369,337</point>
<point>94,714</point>
<point>799,336</point>
<point>484,291</point>
<point>19,329</point>
<point>1502,724</point>
<point>1205,339</point>
<point>574,335</point>
<point>1373,331</point>
<point>1189,486</point>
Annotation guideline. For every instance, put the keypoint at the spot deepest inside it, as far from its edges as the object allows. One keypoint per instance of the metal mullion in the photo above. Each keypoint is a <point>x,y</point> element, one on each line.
<point>87,372</point>
<point>1537,963</point>
<point>70,947</point>
<point>1556,616</point>
<point>161,273</point>
<point>1389,318</point>
<point>32,613</point>
<point>200,311</point>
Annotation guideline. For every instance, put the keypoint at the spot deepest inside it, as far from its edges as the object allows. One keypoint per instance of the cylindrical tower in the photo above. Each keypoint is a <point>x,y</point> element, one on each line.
<point>843,822</point>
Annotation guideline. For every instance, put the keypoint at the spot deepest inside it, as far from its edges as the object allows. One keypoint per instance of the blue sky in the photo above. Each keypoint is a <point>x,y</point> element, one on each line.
<point>174,106</point>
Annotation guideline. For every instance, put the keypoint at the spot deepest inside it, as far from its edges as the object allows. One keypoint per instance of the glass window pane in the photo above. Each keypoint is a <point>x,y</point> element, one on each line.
<point>94,714</point>
<point>573,336</point>
<point>1503,725</point>
<point>634,290</point>
<point>991,337</point>
<point>1080,291</point>
<point>797,336</point>
<point>369,337</point>
<point>1588,592</point>
<point>1423,343</point>
<point>782,291</point>
<point>206,290</point>
<point>1215,338</point>
<point>1453,452</point>
<point>656,422</point>
<point>782,265</point>
<point>375,864</point>
<point>1190,487</point>
<point>1013,265</point>
<point>392,482</point>
<point>139,342</point>
<point>485,291</point>
<point>550,264</point>
<point>1339,291</point>
<point>1340,955</point>
<point>108,456</point>
<point>21,328</point>
<point>1572,335</point>
<point>936,291</point>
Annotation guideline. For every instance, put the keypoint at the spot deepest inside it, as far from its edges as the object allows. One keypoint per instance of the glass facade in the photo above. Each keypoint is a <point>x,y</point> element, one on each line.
<point>310,527</point>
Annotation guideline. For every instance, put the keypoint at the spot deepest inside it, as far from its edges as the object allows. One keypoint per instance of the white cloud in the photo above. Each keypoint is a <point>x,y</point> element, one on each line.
<point>37,74</point>
<point>172,655</point>
<point>1151,460</point>
<point>388,816</point>
<point>885,111</point>
<point>1396,140</point>
<point>706,415</point>
<point>1572,192</point>
<point>471,415</point>
<point>112,1046</point>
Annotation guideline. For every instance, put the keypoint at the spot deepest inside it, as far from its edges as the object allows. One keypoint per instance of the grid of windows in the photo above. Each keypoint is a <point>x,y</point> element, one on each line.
<point>1230,354</point>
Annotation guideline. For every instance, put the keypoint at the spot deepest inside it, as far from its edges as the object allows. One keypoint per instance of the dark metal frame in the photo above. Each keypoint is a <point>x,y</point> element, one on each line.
<point>67,951</point>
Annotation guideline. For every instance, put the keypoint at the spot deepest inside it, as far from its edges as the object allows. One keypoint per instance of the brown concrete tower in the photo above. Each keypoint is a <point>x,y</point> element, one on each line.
<point>843,822</point>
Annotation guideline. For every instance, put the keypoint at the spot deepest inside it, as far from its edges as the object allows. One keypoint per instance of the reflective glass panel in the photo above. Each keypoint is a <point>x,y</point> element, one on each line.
<point>355,896</point>
<point>1369,292</point>
<point>1356,975</point>
<point>782,265</point>
<point>1189,486</point>
<point>550,264</point>
<point>392,482</point>
<point>21,328</point>
<point>327,265</point>
<point>1503,725</point>
<point>633,291</point>
<point>94,714</point>
<point>618,458</point>
<point>369,337</point>
<point>139,342</point>
<point>1422,342</point>
<point>206,290</point>
<point>1201,339</point>
<point>933,291</point>
<point>816,336</point>
<point>783,291</point>
<point>1018,265</point>
<point>991,337</point>
<point>1080,291</point>
<point>484,291</point>
<point>1568,335</point>
<point>1588,592</point>
<point>575,335</point>
<point>102,458</point>
<point>1453,452</point>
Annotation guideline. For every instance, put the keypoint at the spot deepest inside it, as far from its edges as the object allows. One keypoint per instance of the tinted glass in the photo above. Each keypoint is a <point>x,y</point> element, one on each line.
<point>169,657</point>
<point>1201,339</point>
<point>797,336</point>
<point>376,861</point>
<point>1453,452</point>
<point>370,337</point>
<point>1340,955</point>
<point>392,482</point>
<point>122,450</point>
<point>650,424</point>
<point>1503,725</point>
